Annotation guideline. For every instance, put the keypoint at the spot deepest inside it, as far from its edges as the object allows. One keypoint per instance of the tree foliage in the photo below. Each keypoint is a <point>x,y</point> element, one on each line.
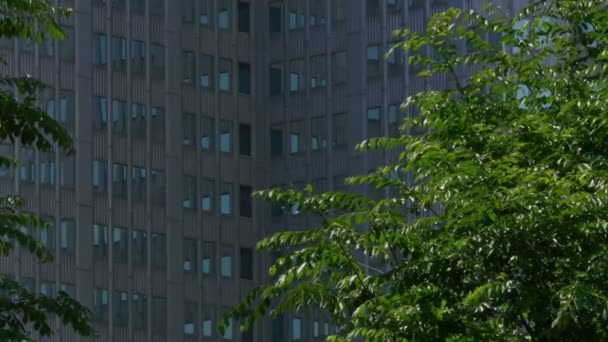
<point>503,233</point>
<point>23,122</point>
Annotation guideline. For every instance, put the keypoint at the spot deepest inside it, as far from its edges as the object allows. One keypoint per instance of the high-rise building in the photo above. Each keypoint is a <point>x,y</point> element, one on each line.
<point>179,109</point>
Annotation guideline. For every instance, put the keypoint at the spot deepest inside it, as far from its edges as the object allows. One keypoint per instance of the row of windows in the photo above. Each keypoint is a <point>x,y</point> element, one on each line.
<point>116,55</point>
<point>47,169</point>
<point>318,329</point>
<point>64,237</point>
<point>47,48</point>
<point>317,134</point>
<point>121,120</point>
<point>120,177</point>
<point>223,15</point>
<point>138,242</point>
<point>206,74</point>
<point>225,198</point>
<point>207,138</point>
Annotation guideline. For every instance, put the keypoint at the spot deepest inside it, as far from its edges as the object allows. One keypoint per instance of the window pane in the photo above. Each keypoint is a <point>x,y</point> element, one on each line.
<point>208,260</point>
<point>226,199</point>
<point>226,262</point>
<point>139,247</point>
<point>275,18</point>
<point>244,78</point>
<point>206,76</point>
<point>225,71</point>
<point>246,264</point>
<point>245,140</point>
<point>245,201</point>
<point>296,329</point>
<point>207,196</point>
<point>276,141</point>
<point>121,308</point>
<point>120,245</point>
<point>226,136</point>
<point>190,255</point>
<point>159,246</point>
<point>67,237</point>
<point>243,16</point>
<point>276,79</point>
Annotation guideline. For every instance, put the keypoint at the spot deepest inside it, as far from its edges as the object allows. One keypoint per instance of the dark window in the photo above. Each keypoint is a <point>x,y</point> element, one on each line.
<point>244,78</point>
<point>339,130</point>
<point>188,11</point>
<point>276,141</point>
<point>189,128</point>
<point>374,127</point>
<point>245,140</point>
<point>159,246</point>
<point>339,69</point>
<point>245,201</point>
<point>276,79</point>
<point>278,329</point>
<point>243,16</point>
<point>246,264</point>
<point>373,8</point>
<point>189,251</point>
<point>159,315</point>
<point>188,68</point>
<point>206,8</point>
<point>275,18</point>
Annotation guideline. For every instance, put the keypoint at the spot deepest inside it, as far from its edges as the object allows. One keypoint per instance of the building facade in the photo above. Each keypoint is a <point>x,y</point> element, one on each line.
<point>179,109</point>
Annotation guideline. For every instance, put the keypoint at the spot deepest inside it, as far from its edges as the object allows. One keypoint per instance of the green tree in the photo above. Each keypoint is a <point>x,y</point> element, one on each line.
<point>503,233</point>
<point>23,122</point>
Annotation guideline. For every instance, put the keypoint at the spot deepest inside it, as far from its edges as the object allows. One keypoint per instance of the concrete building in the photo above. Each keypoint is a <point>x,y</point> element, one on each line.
<point>178,110</point>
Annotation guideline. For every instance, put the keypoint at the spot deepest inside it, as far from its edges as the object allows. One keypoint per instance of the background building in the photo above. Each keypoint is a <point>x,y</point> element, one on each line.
<point>178,110</point>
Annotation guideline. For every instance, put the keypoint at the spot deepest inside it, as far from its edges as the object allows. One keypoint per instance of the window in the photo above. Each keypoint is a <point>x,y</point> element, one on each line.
<point>315,329</point>
<point>66,45</point>
<point>67,237</point>
<point>395,61</point>
<point>100,176</point>
<point>318,134</point>
<point>139,247</point>
<point>373,61</point>
<point>246,263</point>
<point>276,141</point>
<point>278,329</point>
<point>47,234</point>
<point>225,71</point>
<point>207,327</point>
<point>100,242</point>
<point>244,16</point>
<point>318,72</point>
<point>101,105</point>
<point>206,76</point>
<point>120,245</point>
<point>293,20</point>
<point>119,116</point>
<point>275,18</point>
<point>228,333</point>
<point>138,6</point>
<point>189,129</point>
<point>157,182</point>
<point>159,246</point>
<point>207,129</point>
<point>157,62</point>
<point>296,329</point>
<point>276,79</point>
<point>67,172</point>
<point>159,315</point>
<point>138,57</point>
<point>138,121</point>
<point>121,308</point>
<point>226,199</point>
<point>338,65</point>
<point>208,263</point>
<point>325,329</point>
<point>206,8</point>
<point>189,255</point>
<point>373,8</point>
<point>207,196</point>
<point>244,78</point>
<point>339,138</point>
<point>374,127</point>
<point>223,14</point>
<point>294,82</point>
<point>190,314</point>
<point>245,201</point>
<point>226,262</point>
<point>47,288</point>
<point>158,125</point>
<point>27,171</point>
<point>188,68</point>
<point>225,136</point>
<point>189,192</point>
<point>296,137</point>
<point>100,305</point>
<point>245,140</point>
<point>393,120</point>
<point>66,108</point>
<point>338,11</point>
<point>47,168</point>
<point>157,8</point>
<point>138,182</point>
<point>188,10</point>
<point>119,53</point>
<point>100,49</point>
<point>140,311</point>
<point>119,180</point>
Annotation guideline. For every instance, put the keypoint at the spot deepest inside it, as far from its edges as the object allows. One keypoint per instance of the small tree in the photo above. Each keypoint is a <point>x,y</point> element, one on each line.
<point>503,234</point>
<point>22,121</point>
